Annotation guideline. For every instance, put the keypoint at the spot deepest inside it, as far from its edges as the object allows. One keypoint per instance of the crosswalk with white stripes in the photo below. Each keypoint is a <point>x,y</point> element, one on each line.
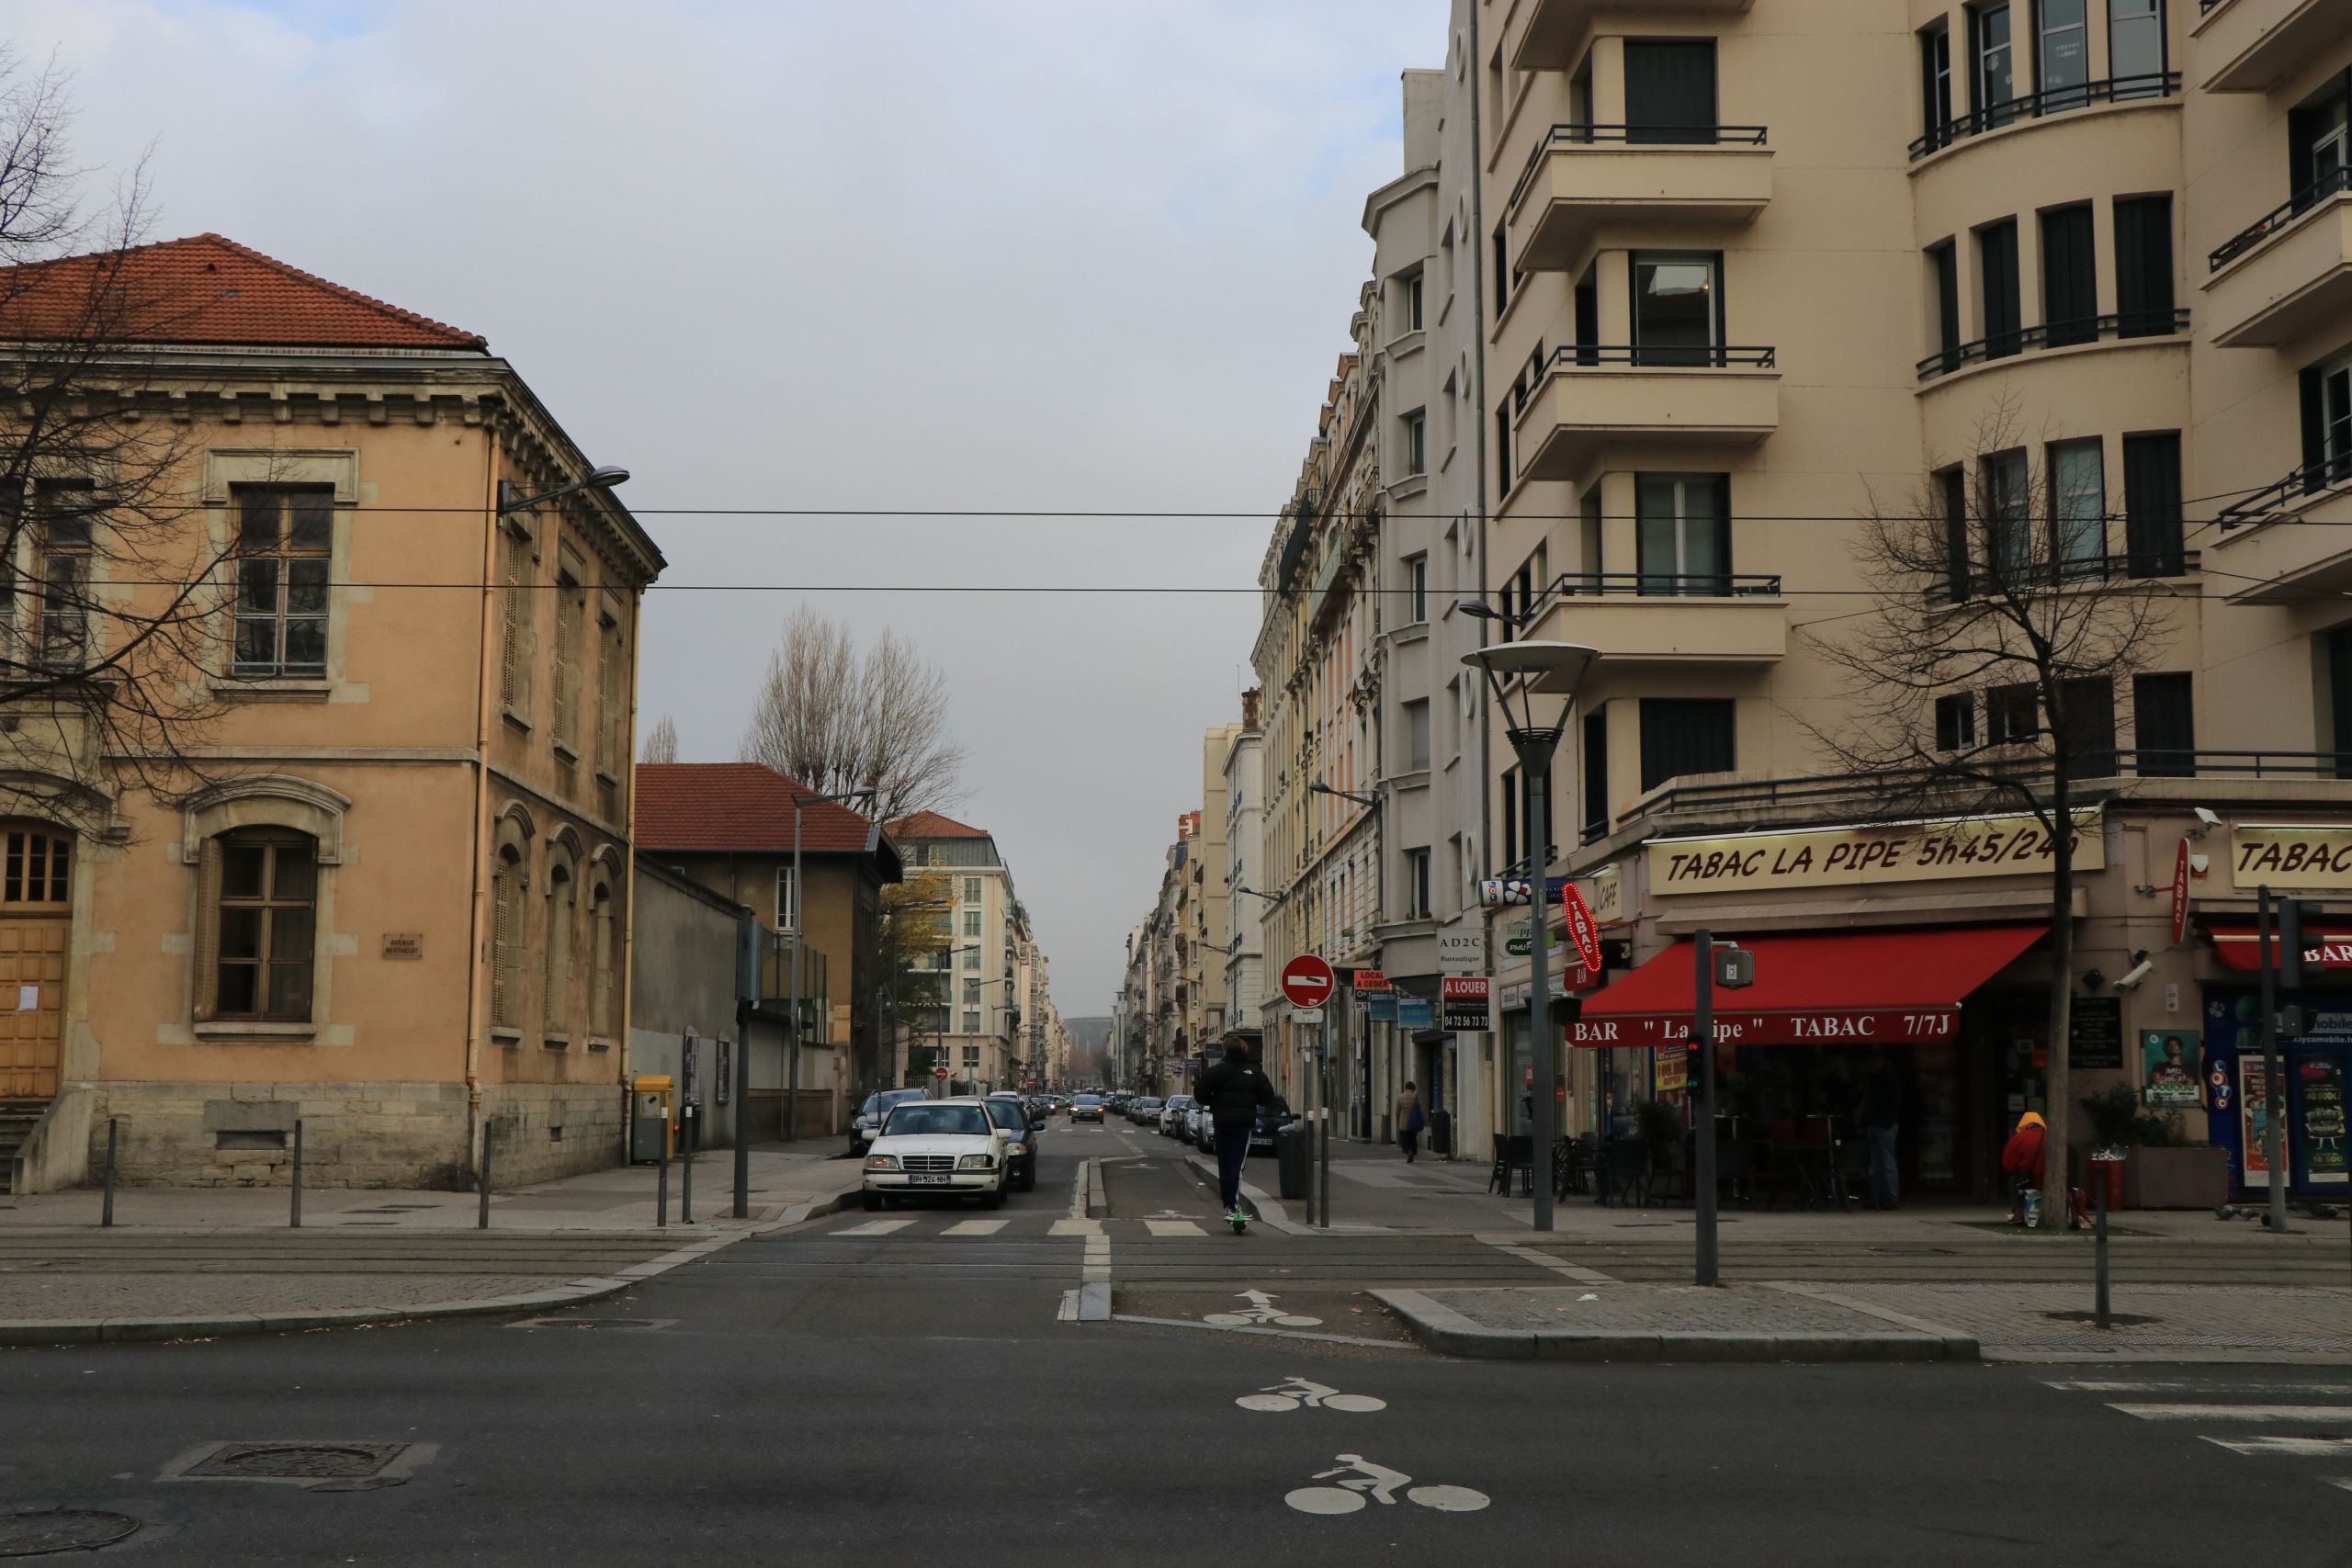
<point>2243,1414</point>
<point>946,1223</point>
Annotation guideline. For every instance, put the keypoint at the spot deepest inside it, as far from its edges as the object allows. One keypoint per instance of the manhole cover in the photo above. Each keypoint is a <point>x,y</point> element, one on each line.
<point>61,1529</point>
<point>2118,1319</point>
<point>296,1461</point>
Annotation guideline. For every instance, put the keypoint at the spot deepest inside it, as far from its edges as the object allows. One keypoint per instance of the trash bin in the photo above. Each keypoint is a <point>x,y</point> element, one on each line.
<point>1291,1160</point>
<point>1441,1132</point>
<point>649,1121</point>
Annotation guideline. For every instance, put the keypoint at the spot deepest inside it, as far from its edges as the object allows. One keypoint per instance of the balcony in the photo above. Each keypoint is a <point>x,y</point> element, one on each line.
<point>1556,29</point>
<point>2251,45</point>
<point>1591,397</point>
<point>2291,543</point>
<point>2034,107</point>
<point>2054,335</point>
<point>1646,618</point>
<point>1582,177</point>
<point>2286,273</point>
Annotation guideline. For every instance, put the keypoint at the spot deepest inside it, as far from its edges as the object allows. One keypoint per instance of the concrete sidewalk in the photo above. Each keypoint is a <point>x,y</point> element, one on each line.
<point>199,1262</point>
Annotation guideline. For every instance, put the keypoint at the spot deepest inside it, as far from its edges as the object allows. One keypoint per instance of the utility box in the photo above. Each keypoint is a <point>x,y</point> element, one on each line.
<point>1442,1132</point>
<point>651,1098</point>
<point>1293,1163</point>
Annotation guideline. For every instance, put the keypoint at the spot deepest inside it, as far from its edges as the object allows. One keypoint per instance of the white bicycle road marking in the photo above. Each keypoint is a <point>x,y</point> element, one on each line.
<point>1174,1227</point>
<point>1359,1478</point>
<point>1076,1227</point>
<point>2237,1412</point>
<point>874,1228</point>
<point>1262,1308</point>
<point>1297,1393</point>
<point>975,1227</point>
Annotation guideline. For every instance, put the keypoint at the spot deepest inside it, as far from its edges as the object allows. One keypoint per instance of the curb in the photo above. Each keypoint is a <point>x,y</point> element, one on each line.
<point>1098,1206</point>
<point>1441,1328</point>
<point>112,1330</point>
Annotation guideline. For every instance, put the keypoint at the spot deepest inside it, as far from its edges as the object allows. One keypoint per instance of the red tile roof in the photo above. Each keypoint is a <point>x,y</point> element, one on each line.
<point>932,825</point>
<point>205,289</point>
<point>745,807</point>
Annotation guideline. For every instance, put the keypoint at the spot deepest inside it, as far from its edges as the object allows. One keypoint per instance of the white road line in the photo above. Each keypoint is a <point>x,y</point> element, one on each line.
<point>1551,1260</point>
<point>875,1227</point>
<point>1076,1227</point>
<point>2343,1481</point>
<point>2288,1448</point>
<point>975,1227</point>
<point>1174,1227</point>
<point>2336,1389</point>
<point>2237,1412</point>
<point>1077,1191</point>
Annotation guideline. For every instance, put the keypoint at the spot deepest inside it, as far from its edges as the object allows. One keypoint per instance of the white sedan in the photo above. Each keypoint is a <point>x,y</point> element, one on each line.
<point>945,1147</point>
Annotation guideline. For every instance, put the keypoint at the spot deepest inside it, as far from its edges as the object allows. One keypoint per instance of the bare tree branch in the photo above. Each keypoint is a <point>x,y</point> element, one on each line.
<point>837,722</point>
<point>661,740</point>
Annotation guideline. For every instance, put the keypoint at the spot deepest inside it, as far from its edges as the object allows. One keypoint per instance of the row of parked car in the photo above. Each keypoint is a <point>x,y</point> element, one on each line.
<point>1180,1117</point>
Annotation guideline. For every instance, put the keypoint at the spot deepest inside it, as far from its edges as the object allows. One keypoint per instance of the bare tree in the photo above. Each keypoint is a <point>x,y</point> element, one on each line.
<point>837,721</point>
<point>115,596</point>
<point>1985,677</point>
<point>911,936</point>
<point>661,740</point>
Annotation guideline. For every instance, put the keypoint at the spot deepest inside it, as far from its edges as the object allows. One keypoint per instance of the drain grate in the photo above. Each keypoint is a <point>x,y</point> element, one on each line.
<point>295,1461</point>
<point>38,1533</point>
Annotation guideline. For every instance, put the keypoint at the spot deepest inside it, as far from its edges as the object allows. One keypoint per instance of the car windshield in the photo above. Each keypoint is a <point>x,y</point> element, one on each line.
<point>1149,1104</point>
<point>1005,1113</point>
<point>880,1101</point>
<point>1087,1099</point>
<point>930,1120</point>
<point>1178,1102</point>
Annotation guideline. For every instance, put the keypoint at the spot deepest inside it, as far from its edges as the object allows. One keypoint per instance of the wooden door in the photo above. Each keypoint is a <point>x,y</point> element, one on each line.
<point>34,924</point>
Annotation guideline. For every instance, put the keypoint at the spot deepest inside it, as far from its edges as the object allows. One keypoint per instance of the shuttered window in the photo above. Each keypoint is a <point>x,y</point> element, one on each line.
<point>2069,277</point>
<point>2152,531</point>
<point>1596,772</point>
<point>506,942</point>
<point>2088,724</point>
<point>1996,266</point>
<point>2143,280</point>
<point>2164,723</point>
<point>514,666</point>
<point>1682,736</point>
<point>562,932</point>
<point>1670,90</point>
<point>571,606</point>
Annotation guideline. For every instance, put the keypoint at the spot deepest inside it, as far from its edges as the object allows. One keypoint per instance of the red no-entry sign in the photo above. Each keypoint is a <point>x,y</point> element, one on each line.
<point>939,1072</point>
<point>1307,981</point>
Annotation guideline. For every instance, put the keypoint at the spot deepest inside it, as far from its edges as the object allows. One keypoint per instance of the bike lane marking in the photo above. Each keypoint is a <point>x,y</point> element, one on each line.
<point>1260,1310</point>
<point>1174,1227</point>
<point>1297,1392</point>
<point>1361,1479</point>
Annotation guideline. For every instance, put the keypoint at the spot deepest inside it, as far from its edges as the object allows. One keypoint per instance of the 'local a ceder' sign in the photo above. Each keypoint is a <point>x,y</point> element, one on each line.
<point>1868,853</point>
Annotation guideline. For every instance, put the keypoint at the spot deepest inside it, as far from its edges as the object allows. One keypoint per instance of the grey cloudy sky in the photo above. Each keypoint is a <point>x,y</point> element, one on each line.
<point>923,254</point>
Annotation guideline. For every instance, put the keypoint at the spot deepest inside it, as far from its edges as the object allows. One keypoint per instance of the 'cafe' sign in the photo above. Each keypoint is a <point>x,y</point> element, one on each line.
<point>1868,854</point>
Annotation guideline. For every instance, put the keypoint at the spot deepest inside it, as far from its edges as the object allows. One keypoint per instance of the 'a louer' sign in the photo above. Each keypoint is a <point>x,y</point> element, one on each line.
<point>1868,853</point>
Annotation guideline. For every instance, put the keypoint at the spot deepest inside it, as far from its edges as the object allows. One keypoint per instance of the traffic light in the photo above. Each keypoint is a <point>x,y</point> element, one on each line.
<point>2294,915</point>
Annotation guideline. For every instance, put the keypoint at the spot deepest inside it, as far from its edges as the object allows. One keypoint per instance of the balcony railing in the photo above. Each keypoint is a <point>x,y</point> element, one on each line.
<point>1584,135</point>
<point>2056,334</point>
<point>2050,101</point>
<point>1579,356</point>
<point>2309,479</point>
<point>2138,564</point>
<point>2335,183</point>
<point>1666,585</point>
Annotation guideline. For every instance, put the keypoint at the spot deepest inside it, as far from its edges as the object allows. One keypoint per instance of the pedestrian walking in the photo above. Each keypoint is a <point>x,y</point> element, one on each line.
<point>1409,1120</point>
<point>2021,1159</point>
<point>1234,1091</point>
<point>1881,1119</point>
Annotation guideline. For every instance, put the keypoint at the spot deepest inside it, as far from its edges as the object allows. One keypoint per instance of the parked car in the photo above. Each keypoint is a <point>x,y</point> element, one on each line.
<point>1195,1129</point>
<point>1118,1100</point>
<point>1144,1112</point>
<point>1270,1121</point>
<point>869,1115</point>
<point>1020,1148</point>
<point>947,1147</point>
<point>1171,1114</point>
<point>1086,1107</point>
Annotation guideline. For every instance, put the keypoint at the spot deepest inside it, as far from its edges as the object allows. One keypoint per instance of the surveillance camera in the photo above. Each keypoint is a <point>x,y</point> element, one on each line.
<point>2208,817</point>
<point>2130,980</point>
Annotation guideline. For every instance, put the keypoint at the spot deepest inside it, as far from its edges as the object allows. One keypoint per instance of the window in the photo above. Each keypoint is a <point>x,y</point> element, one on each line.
<point>971,890</point>
<point>506,942</point>
<point>2135,47</point>
<point>1682,736</point>
<point>1944,260</point>
<point>37,867</point>
<point>2144,283</point>
<point>284,535</point>
<point>262,937</point>
<point>971,1052</point>
<point>2319,145</point>
<point>1514,817</point>
<point>1416,442</point>
<point>2011,715</point>
<point>2327,424</point>
<point>1952,495</point>
<point>971,922</point>
<point>611,717</point>
<point>1935,82</point>
<point>2062,67</point>
<point>2152,532</point>
<point>570,608</point>
<point>2087,721</point>
<point>2078,508</point>
<point>1587,304</point>
<point>1589,537</point>
<point>1678,310</point>
<point>2009,544</point>
<point>2164,721</point>
<point>1683,532</point>
<point>555,1004</point>
<point>514,651</point>
<point>1596,772</point>
<point>2339,684</point>
<point>972,958</point>
<point>787,906</point>
<point>1991,83</point>
<point>1670,90</point>
<point>66,545</point>
<point>604,961</point>
<point>1956,722</point>
<point>1417,884</point>
<point>1416,590</point>
<point>1502,453</point>
<point>1410,287</point>
<point>1502,268</point>
<point>971,993</point>
<point>2069,281</point>
<point>1417,735</point>
<point>1996,268</point>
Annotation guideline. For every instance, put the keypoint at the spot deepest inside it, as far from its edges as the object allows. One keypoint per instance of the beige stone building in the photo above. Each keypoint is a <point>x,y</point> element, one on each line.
<point>998,975</point>
<point>392,898</point>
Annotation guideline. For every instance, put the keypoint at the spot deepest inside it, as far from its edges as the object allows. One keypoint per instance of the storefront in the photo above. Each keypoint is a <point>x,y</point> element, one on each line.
<point>2222,1083</point>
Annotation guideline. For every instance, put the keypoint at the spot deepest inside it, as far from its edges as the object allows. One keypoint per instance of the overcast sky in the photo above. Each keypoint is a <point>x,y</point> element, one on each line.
<point>1070,256</point>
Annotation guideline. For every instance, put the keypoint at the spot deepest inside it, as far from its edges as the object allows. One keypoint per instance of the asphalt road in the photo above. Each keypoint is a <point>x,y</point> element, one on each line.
<point>909,1396</point>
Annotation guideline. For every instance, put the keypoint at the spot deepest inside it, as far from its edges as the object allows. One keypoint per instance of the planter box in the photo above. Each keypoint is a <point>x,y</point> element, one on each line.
<point>2176,1178</point>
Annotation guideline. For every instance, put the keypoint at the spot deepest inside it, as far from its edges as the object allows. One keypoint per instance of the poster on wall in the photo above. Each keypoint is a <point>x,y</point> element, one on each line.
<point>2319,1129</point>
<point>2095,1034</point>
<point>2254,1121</point>
<point>2168,1062</point>
<point>1672,1073</point>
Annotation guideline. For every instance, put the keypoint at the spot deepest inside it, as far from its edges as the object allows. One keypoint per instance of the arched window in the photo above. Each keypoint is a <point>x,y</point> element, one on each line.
<point>555,1006</point>
<point>506,940</point>
<point>262,899</point>
<point>604,961</point>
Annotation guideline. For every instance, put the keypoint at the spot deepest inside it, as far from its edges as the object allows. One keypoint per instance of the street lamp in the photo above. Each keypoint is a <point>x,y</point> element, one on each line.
<point>800,798</point>
<point>602,477</point>
<point>1531,667</point>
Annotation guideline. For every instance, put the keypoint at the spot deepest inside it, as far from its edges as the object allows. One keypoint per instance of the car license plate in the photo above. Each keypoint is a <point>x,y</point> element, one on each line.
<point>922,1179</point>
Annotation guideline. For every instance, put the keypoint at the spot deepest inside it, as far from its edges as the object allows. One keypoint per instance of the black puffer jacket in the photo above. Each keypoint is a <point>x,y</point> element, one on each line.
<point>1233,1091</point>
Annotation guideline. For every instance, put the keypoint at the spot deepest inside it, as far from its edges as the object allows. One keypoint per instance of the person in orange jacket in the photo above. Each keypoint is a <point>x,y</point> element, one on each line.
<point>2021,1156</point>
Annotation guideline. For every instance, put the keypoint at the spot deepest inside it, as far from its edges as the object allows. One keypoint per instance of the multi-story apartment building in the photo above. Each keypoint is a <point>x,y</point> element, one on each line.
<point>1758,273</point>
<point>1212,899</point>
<point>995,968</point>
<point>1245,783</point>
<point>389,895</point>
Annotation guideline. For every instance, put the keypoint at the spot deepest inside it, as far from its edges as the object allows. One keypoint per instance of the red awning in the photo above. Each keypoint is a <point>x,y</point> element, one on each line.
<point>1890,988</point>
<point>2237,945</point>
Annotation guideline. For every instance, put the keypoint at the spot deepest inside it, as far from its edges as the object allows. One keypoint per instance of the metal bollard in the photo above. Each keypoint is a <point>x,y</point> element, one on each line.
<point>294,1221</point>
<point>686,1180</point>
<point>2098,1159</point>
<point>484,1223</point>
<point>105,1209</point>
<point>661,1185</point>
